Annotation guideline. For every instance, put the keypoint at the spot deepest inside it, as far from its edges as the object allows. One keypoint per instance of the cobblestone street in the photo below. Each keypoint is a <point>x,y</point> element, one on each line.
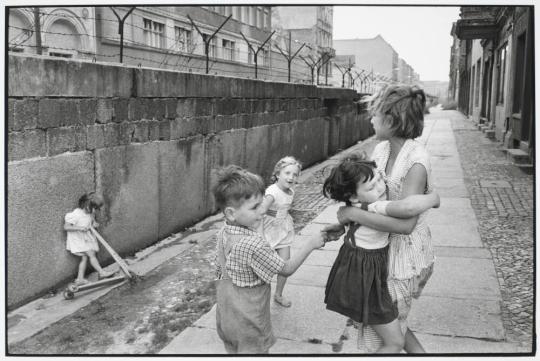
<point>502,198</point>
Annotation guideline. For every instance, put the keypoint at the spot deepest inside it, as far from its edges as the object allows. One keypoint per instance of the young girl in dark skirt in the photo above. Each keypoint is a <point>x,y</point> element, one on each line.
<point>357,284</point>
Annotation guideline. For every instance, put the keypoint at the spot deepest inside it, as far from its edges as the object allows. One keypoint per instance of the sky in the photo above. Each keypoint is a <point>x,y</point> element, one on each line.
<point>420,35</point>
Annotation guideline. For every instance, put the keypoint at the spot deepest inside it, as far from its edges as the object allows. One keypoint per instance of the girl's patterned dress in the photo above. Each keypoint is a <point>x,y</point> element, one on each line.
<point>410,257</point>
<point>278,224</point>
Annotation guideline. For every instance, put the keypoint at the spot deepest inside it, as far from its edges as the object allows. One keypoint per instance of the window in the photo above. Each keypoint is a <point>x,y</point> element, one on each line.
<point>60,55</point>
<point>16,49</point>
<point>519,73</point>
<point>265,57</point>
<point>212,46</point>
<point>183,39</point>
<point>228,49</point>
<point>253,19</point>
<point>266,18</point>
<point>260,17</point>
<point>153,33</point>
<point>245,17</point>
<point>237,13</point>
<point>501,70</point>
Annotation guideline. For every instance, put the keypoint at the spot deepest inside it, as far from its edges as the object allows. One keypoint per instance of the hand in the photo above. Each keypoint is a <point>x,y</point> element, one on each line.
<point>333,232</point>
<point>95,224</point>
<point>343,215</point>
<point>317,241</point>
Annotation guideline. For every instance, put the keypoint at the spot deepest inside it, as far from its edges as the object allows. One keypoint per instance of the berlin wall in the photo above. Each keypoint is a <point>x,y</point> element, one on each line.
<point>150,141</point>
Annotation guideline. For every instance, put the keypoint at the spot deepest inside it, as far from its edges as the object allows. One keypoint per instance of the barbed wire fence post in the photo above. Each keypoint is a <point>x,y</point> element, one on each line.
<point>311,66</point>
<point>323,56</point>
<point>288,56</point>
<point>208,39</point>
<point>121,29</point>
<point>255,53</point>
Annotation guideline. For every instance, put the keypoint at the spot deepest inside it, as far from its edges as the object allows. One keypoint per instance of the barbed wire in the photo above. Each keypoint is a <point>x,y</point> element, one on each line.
<point>270,64</point>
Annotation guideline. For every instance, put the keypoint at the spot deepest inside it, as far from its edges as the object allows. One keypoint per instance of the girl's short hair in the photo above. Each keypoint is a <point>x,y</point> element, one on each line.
<point>341,183</point>
<point>282,163</point>
<point>403,106</point>
<point>90,201</point>
<point>234,185</point>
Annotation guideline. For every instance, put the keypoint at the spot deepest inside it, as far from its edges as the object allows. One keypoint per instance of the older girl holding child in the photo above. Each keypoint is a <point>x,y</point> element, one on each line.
<point>398,118</point>
<point>357,284</point>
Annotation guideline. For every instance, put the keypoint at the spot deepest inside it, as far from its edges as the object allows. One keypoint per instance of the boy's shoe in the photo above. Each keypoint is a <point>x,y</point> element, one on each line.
<point>80,282</point>
<point>105,274</point>
<point>282,301</point>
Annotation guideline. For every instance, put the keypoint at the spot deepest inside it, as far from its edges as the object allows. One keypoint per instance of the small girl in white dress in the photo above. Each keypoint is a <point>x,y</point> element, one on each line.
<point>278,227</point>
<point>80,240</point>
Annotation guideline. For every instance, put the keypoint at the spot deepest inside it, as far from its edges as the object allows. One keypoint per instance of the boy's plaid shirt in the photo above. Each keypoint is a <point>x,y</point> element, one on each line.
<point>251,261</point>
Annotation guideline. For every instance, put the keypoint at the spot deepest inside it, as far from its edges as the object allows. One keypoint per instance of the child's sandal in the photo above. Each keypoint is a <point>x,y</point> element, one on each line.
<point>282,301</point>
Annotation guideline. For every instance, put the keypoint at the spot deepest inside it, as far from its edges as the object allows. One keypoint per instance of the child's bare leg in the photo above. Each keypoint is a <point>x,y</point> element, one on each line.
<point>412,345</point>
<point>82,268</point>
<point>285,254</point>
<point>393,339</point>
<point>95,263</point>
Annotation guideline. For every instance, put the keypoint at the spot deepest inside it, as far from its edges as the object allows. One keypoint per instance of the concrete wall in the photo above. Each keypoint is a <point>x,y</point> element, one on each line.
<point>150,141</point>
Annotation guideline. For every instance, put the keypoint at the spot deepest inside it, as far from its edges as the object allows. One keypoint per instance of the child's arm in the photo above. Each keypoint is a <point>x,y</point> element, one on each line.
<point>409,207</point>
<point>414,183</point>
<point>376,221</point>
<point>72,227</point>
<point>267,202</point>
<point>292,264</point>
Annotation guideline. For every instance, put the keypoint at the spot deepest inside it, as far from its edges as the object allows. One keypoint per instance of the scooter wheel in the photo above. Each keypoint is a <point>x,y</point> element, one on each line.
<point>68,295</point>
<point>72,287</point>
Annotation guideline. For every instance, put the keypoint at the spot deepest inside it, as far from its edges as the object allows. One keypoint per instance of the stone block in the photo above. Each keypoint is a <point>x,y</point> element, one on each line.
<point>115,81</point>
<point>125,132</point>
<point>160,83</point>
<point>136,109</point>
<point>50,114</point>
<point>140,133</point>
<point>87,111</point>
<point>41,192</point>
<point>105,111</point>
<point>223,122</point>
<point>204,106</point>
<point>11,112</point>
<point>27,144</point>
<point>185,107</point>
<point>165,130</point>
<point>157,108</point>
<point>128,177</point>
<point>112,134</point>
<point>95,136</point>
<point>22,114</point>
<point>66,139</point>
<point>182,184</point>
<point>153,130</point>
<point>120,109</point>
<point>170,108</point>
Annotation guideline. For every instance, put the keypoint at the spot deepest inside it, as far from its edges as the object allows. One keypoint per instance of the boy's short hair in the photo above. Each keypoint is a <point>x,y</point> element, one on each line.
<point>341,183</point>
<point>403,107</point>
<point>90,201</point>
<point>234,185</point>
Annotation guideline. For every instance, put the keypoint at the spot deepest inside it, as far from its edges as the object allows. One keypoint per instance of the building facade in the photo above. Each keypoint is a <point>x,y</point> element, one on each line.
<point>309,25</point>
<point>173,37</point>
<point>492,73</point>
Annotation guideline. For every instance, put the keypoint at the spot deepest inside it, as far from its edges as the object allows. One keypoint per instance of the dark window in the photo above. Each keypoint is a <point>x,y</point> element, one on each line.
<point>501,70</point>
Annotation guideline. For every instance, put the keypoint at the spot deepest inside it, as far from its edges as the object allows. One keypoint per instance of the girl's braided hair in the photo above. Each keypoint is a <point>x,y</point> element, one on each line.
<point>341,183</point>
<point>282,163</point>
<point>403,107</point>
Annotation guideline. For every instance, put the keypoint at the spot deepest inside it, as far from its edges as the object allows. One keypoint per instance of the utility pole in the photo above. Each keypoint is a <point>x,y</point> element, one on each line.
<point>207,40</point>
<point>121,29</point>
<point>37,27</point>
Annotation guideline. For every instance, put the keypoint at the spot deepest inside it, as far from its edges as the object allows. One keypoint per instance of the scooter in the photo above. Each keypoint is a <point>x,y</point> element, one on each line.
<point>72,288</point>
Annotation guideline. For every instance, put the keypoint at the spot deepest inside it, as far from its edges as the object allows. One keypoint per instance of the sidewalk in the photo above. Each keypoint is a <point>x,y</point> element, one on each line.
<point>459,311</point>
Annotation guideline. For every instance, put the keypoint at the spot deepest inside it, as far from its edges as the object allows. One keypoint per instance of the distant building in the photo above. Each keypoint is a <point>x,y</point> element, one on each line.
<point>371,55</point>
<point>311,25</point>
<point>492,73</point>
